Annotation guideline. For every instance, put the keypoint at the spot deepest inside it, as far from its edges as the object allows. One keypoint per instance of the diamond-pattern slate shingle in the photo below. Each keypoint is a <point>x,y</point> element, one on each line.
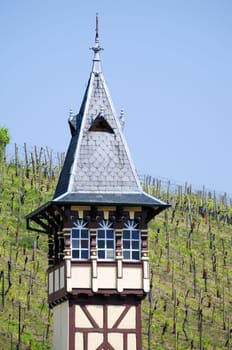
<point>99,162</point>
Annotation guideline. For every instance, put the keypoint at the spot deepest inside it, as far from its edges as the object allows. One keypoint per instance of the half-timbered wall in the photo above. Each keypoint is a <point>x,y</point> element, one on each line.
<point>98,274</point>
<point>105,325</point>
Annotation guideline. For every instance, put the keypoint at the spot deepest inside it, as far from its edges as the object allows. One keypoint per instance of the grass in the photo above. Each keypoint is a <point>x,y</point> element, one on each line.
<point>190,302</point>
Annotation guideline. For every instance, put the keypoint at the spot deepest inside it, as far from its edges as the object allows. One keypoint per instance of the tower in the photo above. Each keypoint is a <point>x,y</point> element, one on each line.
<point>97,226</point>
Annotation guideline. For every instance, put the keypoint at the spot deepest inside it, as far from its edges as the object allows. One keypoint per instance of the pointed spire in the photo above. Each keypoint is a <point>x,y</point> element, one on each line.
<point>96,49</point>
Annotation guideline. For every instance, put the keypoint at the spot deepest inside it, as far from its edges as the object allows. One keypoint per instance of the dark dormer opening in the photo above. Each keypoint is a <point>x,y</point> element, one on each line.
<point>100,124</point>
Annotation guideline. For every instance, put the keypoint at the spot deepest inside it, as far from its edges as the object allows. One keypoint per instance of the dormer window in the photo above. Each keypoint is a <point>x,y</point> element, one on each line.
<point>80,241</point>
<point>131,242</point>
<point>101,124</point>
<point>105,242</point>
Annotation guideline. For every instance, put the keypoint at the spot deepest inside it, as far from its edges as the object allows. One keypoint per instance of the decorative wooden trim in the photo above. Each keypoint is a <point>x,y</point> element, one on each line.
<point>57,298</point>
<point>71,326</point>
<point>107,263</point>
<point>100,299</point>
<point>139,327</point>
<point>127,308</point>
<point>55,267</point>
<point>127,302</point>
<point>138,293</point>
<point>90,318</point>
<point>124,341</point>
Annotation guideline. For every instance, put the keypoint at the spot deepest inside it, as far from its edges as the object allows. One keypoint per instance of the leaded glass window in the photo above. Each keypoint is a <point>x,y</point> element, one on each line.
<point>131,242</point>
<point>80,241</point>
<point>105,241</point>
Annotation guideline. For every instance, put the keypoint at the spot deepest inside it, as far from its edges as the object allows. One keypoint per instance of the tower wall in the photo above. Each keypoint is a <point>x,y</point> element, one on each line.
<point>97,303</point>
<point>61,326</point>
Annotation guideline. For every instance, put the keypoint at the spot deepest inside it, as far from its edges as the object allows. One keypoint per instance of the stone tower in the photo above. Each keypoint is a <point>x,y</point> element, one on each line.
<point>97,226</point>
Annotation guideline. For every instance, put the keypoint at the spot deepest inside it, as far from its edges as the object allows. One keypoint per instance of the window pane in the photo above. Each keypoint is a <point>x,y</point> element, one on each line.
<point>101,254</point>
<point>135,245</point>
<point>135,255</point>
<point>101,243</point>
<point>101,234</point>
<point>80,242</point>
<point>110,244</point>
<point>109,234</point>
<point>75,243</point>
<point>75,254</point>
<point>126,234</point>
<point>84,243</point>
<point>84,254</point>
<point>84,233</point>
<point>135,234</point>
<point>126,254</point>
<point>131,243</point>
<point>110,254</point>
<point>75,233</point>
<point>126,244</point>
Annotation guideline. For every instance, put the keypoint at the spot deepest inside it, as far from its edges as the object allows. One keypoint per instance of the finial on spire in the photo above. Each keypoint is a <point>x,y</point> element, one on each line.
<point>96,48</point>
<point>96,38</point>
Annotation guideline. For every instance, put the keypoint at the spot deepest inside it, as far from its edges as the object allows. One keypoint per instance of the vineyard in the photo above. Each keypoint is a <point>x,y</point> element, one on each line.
<point>190,302</point>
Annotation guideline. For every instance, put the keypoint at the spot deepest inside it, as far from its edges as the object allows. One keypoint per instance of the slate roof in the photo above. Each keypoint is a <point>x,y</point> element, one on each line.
<point>139,198</point>
<point>98,167</point>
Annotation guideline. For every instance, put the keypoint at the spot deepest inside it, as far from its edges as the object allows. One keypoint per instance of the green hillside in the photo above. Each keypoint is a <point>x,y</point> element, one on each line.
<point>189,306</point>
<point>25,319</point>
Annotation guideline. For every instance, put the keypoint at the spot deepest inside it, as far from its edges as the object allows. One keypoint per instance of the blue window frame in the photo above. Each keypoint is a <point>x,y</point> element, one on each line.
<point>105,242</point>
<point>80,241</point>
<point>131,242</point>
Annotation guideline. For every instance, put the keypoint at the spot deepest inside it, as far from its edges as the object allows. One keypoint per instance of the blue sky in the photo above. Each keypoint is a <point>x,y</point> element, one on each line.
<point>168,63</point>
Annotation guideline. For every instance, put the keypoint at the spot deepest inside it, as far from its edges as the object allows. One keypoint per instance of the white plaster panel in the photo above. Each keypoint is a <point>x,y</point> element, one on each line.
<point>61,326</point>
<point>96,311</point>
<point>131,340</point>
<point>114,311</point>
<point>107,277</point>
<point>62,277</point>
<point>116,340</point>
<point>129,321</point>
<point>132,278</point>
<point>50,283</point>
<point>79,342</point>
<point>81,319</point>
<point>81,277</point>
<point>94,340</point>
<point>57,280</point>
